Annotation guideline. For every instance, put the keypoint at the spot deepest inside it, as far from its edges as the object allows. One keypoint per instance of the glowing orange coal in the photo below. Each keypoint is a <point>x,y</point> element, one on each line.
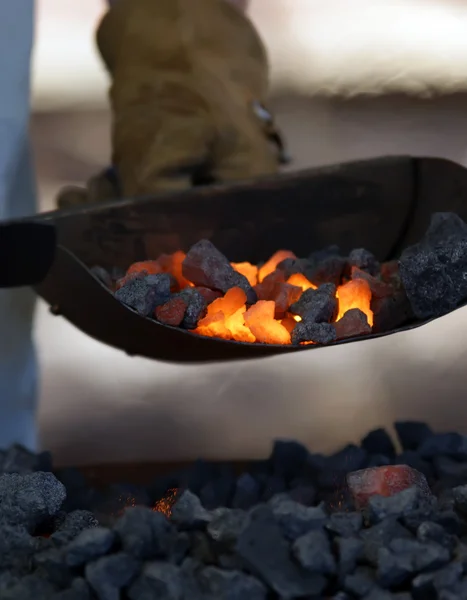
<point>355,294</point>
<point>269,320</point>
<point>271,265</point>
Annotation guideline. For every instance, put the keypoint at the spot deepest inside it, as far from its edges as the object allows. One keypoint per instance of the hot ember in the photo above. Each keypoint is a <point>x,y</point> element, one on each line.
<point>286,300</point>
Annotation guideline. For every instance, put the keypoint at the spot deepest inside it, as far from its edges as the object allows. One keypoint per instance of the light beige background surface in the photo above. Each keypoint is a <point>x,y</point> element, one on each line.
<point>100,405</point>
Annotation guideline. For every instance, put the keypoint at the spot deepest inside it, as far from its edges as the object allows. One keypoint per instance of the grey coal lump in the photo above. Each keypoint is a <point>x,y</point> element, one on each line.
<point>434,271</point>
<point>145,294</point>
<point>204,265</point>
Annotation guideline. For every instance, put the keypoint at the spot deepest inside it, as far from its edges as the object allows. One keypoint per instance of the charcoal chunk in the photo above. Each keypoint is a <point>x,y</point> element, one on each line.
<point>345,524</point>
<point>52,564</point>
<point>145,533</point>
<point>353,323</point>
<point>412,434</point>
<point>89,545</point>
<point>79,590</point>
<point>247,492</point>
<point>30,499</point>
<point>431,585</point>
<point>379,441</point>
<point>361,582</point>
<point>405,557</point>
<point>296,520</point>
<point>265,553</point>
<point>318,306</point>
<point>303,493</point>
<point>144,294</point>
<point>453,445</point>
<point>288,458</point>
<point>226,525</point>
<point>205,266</point>
<point>403,503</point>
<point>350,551</point>
<point>109,574</point>
<point>460,499</point>
<point>380,535</point>
<point>195,309</point>
<point>313,552</point>
<point>188,512</point>
<point>17,459</point>
<point>433,270</point>
<point>158,580</point>
<point>434,532</point>
<point>309,331</point>
<point>72,524</point>
<point>364,260</point>
<point>32,586</point>
<point>326,266</point>
<point>291,266</point>
<point>217,583</point>
<point>391,312</point>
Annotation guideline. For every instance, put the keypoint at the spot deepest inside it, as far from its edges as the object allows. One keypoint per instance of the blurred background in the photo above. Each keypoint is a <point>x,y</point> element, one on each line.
<point>350,80</point>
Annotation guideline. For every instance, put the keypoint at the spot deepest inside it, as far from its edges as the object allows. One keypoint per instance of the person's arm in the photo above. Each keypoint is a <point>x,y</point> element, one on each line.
<point>17,190</point>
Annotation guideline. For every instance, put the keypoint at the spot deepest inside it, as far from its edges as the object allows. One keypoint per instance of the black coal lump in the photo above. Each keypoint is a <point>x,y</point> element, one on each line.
<point>232,584</point>
<point>145,533</point>
<point>432,585</point>
<point>266,554</point>
<point>226,525</point>
<point>379,441</point>
<point>326,266</point>
<point>397,505</point>
<point>345,524</point>
<point>309,331</point>
<point>433,271</point>
<point>79,590</point>
<point>350,552</point>
<point>30,587</point>
<point>296,520</point>
<point>52,564</point>
<point>364,260</point>
<point>247,492</point>
<point>189,513</point>
<point>206,266</point>
<point>30,499</point>
<point>380,535</point>
<point>313,552</point>
<point>318,306</point>
<point>451,444</point>
<point>196,307</point>
<point>288,458</point>
<point>460,499</point>
<point>71,524</point>
<point>144,294</point>
<point>434,532</point>
<point>109,574</point>
<point>360,582</point>
<point>89,545</point>
<point>158,580</point>
<point>412,434</point>
<point>18,459</point>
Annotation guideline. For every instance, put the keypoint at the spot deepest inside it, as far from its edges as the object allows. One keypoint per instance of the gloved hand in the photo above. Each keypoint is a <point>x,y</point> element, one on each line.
<point>189,82</point>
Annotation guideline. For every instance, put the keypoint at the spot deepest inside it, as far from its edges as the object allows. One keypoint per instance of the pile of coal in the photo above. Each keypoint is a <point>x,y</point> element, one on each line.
<point>367,522</point>
<point>177,290</point>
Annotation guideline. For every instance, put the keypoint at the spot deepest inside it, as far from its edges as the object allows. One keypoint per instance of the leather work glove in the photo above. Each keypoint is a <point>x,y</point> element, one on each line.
<point>189,82</point>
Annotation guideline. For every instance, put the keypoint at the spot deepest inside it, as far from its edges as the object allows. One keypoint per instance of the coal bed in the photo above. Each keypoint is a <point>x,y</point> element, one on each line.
<point>288,300</point>
<point>371,521</point>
